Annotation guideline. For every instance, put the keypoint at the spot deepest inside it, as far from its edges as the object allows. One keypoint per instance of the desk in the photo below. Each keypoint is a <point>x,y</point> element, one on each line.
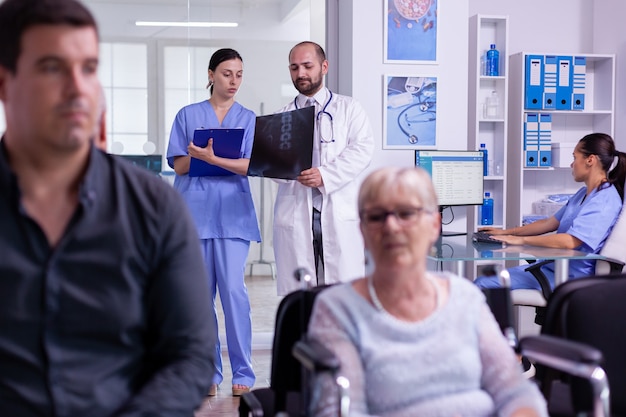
<point>460,249</point>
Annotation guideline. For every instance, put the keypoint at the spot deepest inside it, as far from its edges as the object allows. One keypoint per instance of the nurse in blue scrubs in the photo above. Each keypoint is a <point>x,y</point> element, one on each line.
<point>222,207</point>
<point>583,223</point>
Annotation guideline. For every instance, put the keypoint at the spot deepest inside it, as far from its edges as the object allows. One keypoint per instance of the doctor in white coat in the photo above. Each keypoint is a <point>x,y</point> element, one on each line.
<point>342,149</point>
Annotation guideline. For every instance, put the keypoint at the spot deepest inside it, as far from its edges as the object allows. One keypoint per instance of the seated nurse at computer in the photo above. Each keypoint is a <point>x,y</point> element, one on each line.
<point>583,223</point>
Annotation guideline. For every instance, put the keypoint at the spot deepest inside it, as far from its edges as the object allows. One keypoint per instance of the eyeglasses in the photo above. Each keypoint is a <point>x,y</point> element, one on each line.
<point>404,216</point>
<point>325,126</point>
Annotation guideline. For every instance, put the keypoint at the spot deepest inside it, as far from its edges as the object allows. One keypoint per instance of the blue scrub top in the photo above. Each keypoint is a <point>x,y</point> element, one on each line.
<point>221,207</point>
<point>590,220</point>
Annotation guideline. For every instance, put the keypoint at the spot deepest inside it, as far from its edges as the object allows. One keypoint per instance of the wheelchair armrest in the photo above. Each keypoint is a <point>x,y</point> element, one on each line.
<point>315,357</point>
<point>535,269</point>
<point>545,347</point>
<point>249,405</point>
<point>573,358</point>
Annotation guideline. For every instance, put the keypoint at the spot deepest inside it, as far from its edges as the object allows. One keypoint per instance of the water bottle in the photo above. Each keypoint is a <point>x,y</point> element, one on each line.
<point>487,210</point>
<point>493,61</point>
<point>483,148</point>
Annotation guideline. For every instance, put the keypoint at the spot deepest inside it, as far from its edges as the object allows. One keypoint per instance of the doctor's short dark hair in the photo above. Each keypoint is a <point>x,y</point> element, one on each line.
<point>17,16</point>
<point>319,51</point>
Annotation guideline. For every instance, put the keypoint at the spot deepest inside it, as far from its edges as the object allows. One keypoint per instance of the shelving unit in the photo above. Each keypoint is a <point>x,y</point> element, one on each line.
<point>483,31</point>
<point>526,185</point>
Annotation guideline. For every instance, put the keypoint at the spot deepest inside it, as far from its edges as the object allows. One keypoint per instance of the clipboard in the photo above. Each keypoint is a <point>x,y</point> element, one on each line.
<point>283,144</point>
<point>226,144</point>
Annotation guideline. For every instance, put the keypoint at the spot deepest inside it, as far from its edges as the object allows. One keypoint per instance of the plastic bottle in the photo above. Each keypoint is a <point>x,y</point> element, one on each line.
<point>493,61</point>
<point>491,105</point>
<point>487,210</point>
<point>483,148</point>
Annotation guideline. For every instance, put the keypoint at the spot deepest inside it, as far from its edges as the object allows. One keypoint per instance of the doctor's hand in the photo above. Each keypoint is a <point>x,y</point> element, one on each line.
<point>206,154</point>
<point>311,178</point>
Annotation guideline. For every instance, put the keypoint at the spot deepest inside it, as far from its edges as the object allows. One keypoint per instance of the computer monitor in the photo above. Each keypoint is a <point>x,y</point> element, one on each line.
<point>152,163</point>
<point>457,176</point>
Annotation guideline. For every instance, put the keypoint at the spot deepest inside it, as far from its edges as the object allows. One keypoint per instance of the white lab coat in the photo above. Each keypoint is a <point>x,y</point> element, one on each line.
<point>342,164</point>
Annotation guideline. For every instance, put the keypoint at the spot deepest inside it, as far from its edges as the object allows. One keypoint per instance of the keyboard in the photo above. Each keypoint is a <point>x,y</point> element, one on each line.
<point>484,237</point>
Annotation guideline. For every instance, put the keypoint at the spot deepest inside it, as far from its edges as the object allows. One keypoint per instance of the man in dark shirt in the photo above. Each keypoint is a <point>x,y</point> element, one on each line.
<point>104,303</point>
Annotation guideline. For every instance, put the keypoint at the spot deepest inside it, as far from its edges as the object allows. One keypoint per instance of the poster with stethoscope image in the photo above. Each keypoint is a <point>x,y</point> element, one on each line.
<point>410,112</point>
<point>410,31</point>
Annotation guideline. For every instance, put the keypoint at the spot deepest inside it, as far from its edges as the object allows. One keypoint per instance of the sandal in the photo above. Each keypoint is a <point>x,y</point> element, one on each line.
<point>212,390</point>
<point>239,389</point>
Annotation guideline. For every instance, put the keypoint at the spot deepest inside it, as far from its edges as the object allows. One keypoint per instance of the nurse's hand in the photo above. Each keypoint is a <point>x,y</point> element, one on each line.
<point>206,154</point>
<point>510,239</point>
<point>493,231</point>
<point>311,178</point>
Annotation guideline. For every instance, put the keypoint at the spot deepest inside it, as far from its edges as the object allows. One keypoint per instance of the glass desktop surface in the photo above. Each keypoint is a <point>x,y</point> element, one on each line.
<point>461,248</point>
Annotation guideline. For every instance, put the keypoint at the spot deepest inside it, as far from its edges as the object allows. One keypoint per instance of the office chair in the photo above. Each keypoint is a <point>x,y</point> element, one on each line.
<point>288,391</point>
<point>613,250</point>
<point>591,311</point>
<point>580,360</point>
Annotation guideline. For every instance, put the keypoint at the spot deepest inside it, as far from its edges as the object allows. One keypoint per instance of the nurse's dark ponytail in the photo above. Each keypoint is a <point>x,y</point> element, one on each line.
<point>613,161</point>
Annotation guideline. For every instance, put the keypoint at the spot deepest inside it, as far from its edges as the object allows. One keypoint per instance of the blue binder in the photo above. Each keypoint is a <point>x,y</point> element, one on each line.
<point>226,143</point>
<point>579,82</point>
<point>534,82</point>
<point>564,84</point>
<point>545,140</point>
<point>550,74</point>
<point>531,140</point>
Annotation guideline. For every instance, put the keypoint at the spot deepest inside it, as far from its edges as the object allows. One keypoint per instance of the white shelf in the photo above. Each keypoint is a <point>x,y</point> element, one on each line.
<point>483,31</point>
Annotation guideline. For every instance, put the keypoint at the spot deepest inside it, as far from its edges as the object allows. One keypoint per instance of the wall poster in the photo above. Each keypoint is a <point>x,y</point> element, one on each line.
<point>410,31</point>
<point>410,112</point>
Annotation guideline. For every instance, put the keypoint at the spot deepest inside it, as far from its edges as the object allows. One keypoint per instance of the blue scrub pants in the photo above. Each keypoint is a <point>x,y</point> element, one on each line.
<point>520,279</point>
<point>225,261</point>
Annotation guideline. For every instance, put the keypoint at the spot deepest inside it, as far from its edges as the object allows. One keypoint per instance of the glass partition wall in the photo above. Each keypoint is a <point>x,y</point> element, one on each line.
<point>150,72</point>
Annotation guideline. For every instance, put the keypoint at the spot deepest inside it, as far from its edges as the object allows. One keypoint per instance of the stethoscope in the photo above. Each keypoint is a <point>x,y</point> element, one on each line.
<point>319,116</point>
<point>425,115</point>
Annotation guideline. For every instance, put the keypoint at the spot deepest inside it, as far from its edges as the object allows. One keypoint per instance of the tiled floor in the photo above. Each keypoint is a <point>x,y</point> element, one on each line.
<point>263,299</point>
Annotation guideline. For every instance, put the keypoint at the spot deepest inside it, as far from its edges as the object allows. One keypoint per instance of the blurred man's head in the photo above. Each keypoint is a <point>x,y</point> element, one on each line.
<point>48,74</point>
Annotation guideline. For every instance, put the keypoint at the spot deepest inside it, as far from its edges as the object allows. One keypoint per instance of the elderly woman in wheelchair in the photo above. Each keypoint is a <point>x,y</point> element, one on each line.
<point>414,342</point>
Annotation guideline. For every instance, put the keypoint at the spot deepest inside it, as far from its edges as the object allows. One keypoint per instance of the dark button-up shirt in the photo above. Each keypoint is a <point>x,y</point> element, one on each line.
<point>116,319</point>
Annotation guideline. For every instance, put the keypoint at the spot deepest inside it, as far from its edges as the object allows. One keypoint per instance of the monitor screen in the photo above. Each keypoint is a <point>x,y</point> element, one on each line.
<point>152,163</point>
<point>457,175</point>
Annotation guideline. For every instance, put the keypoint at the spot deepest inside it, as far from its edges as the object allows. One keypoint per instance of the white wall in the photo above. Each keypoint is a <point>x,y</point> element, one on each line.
<point>361,75</point>
<point>562,26</point>
<point>361,45</point>
<point>609,37</point>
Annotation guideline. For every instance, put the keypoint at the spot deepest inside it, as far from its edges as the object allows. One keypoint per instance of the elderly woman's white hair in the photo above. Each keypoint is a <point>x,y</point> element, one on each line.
<point>409,179</point>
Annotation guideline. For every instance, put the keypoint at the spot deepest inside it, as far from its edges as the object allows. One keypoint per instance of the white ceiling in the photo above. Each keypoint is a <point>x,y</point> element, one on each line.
<point>257,19</point>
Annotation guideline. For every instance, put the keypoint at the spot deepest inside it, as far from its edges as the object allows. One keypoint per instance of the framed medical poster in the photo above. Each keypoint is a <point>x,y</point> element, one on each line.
<point>410,112</point>
<point>410,31</point>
